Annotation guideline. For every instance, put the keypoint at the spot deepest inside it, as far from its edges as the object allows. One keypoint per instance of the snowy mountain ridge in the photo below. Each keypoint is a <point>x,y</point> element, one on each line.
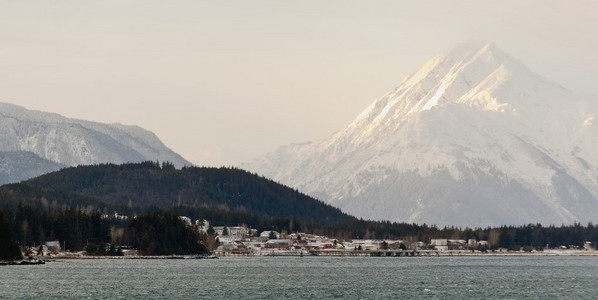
<point>472,138</point>
<point>59,141</point>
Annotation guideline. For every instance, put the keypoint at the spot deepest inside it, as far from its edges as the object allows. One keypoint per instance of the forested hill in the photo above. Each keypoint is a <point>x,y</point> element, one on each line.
<point>150,184</point>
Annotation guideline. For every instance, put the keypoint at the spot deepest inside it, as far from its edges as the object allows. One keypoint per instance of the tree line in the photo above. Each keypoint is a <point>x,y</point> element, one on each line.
<point>157,233</point>
<point>162,232</point>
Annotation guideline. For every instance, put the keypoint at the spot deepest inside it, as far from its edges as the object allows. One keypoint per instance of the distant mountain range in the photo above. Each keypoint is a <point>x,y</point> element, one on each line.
<point>473,138</point>
<point>35,143</point>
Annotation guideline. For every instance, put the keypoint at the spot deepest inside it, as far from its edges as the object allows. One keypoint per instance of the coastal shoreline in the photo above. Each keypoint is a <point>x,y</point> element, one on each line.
<point>546,253</point>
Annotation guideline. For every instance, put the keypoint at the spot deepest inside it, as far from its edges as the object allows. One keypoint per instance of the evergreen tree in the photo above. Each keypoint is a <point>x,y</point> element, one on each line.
<point>272,235</point>
<point>9,249</point>
<point>210,230</point>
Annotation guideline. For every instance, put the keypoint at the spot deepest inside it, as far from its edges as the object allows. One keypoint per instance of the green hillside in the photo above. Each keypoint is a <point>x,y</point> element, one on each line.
<point>141,186</point>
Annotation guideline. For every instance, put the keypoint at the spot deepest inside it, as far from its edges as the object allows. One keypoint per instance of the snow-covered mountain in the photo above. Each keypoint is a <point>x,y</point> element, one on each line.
<point>473,138</point>
<point>33,143</point>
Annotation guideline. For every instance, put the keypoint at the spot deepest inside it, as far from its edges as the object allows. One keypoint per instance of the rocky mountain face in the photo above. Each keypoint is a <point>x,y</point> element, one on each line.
<point>34,143</point>
<point>16,166</point>
<point>473,138</point>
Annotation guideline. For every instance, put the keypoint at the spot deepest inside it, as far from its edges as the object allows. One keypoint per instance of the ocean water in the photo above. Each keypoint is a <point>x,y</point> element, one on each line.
<point>490,277</point>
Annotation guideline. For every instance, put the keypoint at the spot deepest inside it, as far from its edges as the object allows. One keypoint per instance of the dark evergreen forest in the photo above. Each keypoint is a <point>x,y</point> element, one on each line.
<point>133,187</point>
<point>71,206</point>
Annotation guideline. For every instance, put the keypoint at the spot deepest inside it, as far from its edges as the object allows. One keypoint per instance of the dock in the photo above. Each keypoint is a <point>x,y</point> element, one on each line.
<point>388,253</point>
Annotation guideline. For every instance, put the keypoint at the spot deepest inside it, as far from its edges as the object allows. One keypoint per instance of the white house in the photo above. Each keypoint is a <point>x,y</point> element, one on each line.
<point>439,244</point>
<point>55,244</point>
<point>366,244</point>
<point>266,234</point>
<point>238,231</point>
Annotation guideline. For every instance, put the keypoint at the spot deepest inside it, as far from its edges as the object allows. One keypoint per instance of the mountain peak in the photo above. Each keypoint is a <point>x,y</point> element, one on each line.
<point>486,54</point>
<point>475,46</point>
<point>472,138</point>
<point>481,52</point>
<point>473,74</point>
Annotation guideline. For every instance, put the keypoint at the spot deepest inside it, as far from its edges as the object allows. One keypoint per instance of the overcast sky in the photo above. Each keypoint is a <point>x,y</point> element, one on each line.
<point>221,82</point>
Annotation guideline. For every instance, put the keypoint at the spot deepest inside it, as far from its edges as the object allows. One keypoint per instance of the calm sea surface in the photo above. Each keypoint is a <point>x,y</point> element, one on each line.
<point>307,278</point>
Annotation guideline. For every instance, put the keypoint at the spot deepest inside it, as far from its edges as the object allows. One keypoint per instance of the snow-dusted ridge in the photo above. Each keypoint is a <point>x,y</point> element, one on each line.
<point>60,141</point>
<point>472,138</point>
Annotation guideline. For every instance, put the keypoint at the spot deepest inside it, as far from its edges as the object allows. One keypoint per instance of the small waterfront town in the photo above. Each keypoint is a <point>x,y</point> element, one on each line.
<point>244,241</point>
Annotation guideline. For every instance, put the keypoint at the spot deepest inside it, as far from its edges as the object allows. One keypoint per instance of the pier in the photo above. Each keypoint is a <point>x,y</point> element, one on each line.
<point>387,253</point>
<point>348,253</point>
